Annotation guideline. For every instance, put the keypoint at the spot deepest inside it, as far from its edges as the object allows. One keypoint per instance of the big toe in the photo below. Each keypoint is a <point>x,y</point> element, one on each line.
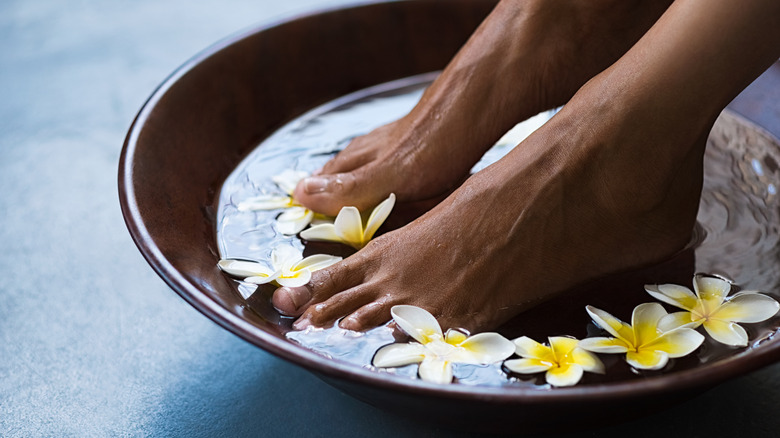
<point>291,301</point>
<point>324,283</point>
<point>327,194</point>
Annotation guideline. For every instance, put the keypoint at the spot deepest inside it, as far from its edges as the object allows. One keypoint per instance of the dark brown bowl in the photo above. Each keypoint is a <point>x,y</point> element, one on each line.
<point>206,117</point>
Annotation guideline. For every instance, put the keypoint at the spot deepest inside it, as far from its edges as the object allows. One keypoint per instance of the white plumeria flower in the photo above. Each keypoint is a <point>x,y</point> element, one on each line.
<point>437,352</point>
<point>646,346</point>
<point>710,307</point>
<point>564,360</point>
<point>288,268</point>
<point>349,227</point>
<point>295,216</point>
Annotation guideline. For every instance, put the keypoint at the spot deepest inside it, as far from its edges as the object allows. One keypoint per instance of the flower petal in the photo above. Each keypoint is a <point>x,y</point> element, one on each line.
<point>416,322</point>
<point>398,355</point>
<point>349,227</point>
<point>647,359</point>
<point>484,348</point>
<point>316,262</point>
<point>240,268</point>
<point>320,219</point>
<point>726,332</point>
<point>528,365</point>
<point>288,179</point>
<point>263,279</point>
<point>561,346</point>
<point>711,288</point>
<point>676,343</point>
<point>284,257</point>
<point>587,360</point>
<point>454,336</point>
<point>564,375</point>
<point>527,347</point>
<point>435,369</point>
<point>265,202</point>
<point>378,216</point>
<point>295,279</point>
<point>322,232</point>
<point>747,306</point>
<point>644,321</point>
<point>677,320</point>
<point>673,294</point>
<point>614,326</point>
<point>604,345</point>
<point>293,220</point>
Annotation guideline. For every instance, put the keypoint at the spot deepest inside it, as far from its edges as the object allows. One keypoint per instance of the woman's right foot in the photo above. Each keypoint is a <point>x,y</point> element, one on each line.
<point>526,57</point>
<point>606,185</point>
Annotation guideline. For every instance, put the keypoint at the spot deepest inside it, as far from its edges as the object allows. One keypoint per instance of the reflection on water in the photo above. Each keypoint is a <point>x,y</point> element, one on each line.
<point>737,235</point>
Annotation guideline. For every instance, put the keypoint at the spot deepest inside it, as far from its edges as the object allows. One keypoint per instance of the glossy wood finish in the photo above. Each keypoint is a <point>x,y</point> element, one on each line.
<point>210,113</point>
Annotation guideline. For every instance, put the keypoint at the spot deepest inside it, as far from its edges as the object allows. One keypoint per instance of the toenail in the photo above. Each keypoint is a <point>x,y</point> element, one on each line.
<point>298,295</point>
<point>349,323</point>
<point>315,184</point>
<point>290,300</point>
<point>301,324</point>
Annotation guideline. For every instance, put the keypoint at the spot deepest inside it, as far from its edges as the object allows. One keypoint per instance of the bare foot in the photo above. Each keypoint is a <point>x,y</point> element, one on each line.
<point>583,197</point>
<point>611,182</point>
<point>528,56</point>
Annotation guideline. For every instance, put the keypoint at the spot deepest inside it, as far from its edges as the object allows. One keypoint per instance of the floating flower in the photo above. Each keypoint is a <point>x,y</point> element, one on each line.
<point>646,346</point>
<point>436,352</point>
<point>295,217</point>
<point>349,227</point>
<point>288,268</point>
<point>710,307</point>
<point>564,360</point>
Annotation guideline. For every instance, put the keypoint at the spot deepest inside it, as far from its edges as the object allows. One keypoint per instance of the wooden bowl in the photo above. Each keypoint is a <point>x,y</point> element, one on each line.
<point>206,117</point>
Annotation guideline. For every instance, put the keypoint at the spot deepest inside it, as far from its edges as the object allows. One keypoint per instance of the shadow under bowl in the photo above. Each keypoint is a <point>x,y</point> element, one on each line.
<point>210,113</point>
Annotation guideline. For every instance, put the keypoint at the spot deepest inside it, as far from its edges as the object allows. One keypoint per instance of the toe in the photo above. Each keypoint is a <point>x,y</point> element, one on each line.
<point>347,161</point>
<point>290,300</point>
<point>294,301</point>
<point>363,188</point>
<point>340,304</point>
<point>367,317</point>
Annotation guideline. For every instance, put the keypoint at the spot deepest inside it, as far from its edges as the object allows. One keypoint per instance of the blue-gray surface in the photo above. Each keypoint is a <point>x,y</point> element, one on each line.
<point>92,342</point>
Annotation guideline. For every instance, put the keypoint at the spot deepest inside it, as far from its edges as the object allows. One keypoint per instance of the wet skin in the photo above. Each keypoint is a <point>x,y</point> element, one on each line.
<point>611,182</point>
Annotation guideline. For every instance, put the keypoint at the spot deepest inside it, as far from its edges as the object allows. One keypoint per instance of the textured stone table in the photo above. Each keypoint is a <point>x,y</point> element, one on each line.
<point>92,342</point>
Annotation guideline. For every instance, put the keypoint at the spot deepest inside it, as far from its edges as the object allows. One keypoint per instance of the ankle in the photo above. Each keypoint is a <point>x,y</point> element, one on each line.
<point>640,164</point>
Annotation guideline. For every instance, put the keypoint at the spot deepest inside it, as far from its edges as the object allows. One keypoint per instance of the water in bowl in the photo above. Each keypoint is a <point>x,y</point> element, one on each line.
<point>736,237</point>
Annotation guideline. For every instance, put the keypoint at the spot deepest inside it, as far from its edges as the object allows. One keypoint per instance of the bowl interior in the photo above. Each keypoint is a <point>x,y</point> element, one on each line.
<point>205,118</point>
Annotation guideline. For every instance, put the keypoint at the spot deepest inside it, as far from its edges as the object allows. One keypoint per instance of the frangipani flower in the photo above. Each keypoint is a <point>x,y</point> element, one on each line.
<point>437,352</point>
<point>287,267</point>
<point>710,307</point>
<point>349,227</point>
<point>646,346</point>
<point>295,217</point>
<point>564,360</point>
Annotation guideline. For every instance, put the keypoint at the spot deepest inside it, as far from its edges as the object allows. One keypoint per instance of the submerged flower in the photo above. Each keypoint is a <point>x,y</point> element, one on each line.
<point>646,346</point>
<point>349,227</point>
<point>286,181</point>
<point>710,307</point>
<point>564,360</point>
<point>295,217</point>
<point>436,352</point>
<point>288,268</point>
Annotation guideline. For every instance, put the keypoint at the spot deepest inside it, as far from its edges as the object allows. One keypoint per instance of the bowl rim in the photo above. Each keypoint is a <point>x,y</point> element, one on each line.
<point>698,377</point>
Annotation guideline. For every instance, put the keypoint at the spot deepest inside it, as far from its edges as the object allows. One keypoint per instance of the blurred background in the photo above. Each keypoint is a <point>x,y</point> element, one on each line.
<point>92,342</point>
